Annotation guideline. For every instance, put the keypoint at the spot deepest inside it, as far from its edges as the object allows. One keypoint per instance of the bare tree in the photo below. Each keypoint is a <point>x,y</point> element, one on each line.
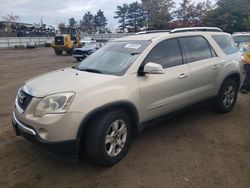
<point>61,26</point>
<point>11,21</point>
<point>2,26</point>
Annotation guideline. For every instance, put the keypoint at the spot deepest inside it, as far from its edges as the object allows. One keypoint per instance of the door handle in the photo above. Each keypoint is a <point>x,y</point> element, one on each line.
<point>183,75</point>
<point>217,66</point>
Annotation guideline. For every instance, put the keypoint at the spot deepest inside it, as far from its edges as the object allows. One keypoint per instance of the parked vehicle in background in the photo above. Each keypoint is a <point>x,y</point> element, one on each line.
<point>67,41</point>
<point>117,91</point>
<point>89,48</point>
<point>242,40</point>
<point>86,40</point>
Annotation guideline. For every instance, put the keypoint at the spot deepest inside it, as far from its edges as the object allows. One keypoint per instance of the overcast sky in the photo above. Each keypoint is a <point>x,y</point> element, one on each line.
<point>56,11</point>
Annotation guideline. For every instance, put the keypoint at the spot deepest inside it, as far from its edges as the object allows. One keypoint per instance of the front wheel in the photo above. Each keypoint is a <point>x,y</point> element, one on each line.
<point>108,137</point>
<point>226,99</point>
<point>58,52</point>
<point>78,59</point>
<point>69,52</point>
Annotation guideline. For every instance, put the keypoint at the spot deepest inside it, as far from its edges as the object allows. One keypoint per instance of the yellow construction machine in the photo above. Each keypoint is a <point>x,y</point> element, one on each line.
<point>66,41</point>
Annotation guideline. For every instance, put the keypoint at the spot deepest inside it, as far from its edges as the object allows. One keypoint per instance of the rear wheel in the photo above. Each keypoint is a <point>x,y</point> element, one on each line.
<point>226,99</point>
<point>108,137</point>
<point>58,52</point>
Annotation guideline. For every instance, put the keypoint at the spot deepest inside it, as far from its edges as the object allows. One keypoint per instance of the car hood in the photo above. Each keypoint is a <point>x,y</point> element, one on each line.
<point>84,48</point>
<point>64,80</point>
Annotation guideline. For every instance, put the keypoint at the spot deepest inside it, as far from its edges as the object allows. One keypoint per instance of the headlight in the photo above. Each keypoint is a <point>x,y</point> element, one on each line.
<point>53,104</point>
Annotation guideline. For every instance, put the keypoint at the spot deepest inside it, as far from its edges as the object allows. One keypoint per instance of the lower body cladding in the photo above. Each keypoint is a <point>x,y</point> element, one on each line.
<point>67,151</point>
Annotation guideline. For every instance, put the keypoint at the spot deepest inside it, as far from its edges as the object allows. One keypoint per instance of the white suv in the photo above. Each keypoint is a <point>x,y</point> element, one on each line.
<point>98,105</point>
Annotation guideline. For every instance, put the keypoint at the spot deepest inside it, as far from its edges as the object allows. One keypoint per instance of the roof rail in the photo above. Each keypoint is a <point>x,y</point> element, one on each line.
<point>152,31</point>
<point>187,29</point>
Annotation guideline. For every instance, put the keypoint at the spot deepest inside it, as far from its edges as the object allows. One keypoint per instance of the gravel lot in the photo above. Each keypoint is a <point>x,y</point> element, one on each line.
<point>196,149</point>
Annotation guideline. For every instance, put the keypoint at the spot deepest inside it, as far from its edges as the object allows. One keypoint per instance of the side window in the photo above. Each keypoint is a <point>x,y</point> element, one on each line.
<point>196,48</point>
<point>226,43</point>
<point>167,53</point>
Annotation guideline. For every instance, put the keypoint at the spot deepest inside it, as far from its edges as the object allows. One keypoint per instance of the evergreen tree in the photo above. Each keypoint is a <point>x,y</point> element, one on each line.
<point>230,15</point>
<point>72,22</point>
<point>135,16</point>
<point>158,13</point>
<point>100,21</point>
<point>121,14</point>
<point>87,23</point>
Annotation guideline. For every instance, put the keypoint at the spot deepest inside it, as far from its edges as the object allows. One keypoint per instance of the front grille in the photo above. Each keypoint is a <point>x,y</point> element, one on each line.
<point>59,40</point>
<point>23,99</point>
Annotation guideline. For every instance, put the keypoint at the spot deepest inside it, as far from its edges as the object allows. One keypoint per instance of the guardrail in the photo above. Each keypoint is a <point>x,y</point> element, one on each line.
<point>11,42</point>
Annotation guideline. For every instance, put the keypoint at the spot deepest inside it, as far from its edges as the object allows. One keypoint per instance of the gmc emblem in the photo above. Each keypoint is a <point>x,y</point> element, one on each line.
<point>21,97</point>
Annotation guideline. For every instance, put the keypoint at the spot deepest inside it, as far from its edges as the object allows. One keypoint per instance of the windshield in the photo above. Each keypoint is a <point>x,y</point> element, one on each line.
<point>242,39</point>
<point>114,58</point>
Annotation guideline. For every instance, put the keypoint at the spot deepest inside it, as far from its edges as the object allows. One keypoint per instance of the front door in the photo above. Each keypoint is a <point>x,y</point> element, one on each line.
<point>164,93</point>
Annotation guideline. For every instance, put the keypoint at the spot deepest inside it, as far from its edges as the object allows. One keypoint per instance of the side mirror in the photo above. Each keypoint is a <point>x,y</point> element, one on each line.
<point>153,68</point>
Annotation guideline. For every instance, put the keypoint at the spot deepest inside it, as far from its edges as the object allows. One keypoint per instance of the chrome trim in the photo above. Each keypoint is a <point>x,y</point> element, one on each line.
<point>22,126</point>
<point>29,90</point>
<point>19,109</point>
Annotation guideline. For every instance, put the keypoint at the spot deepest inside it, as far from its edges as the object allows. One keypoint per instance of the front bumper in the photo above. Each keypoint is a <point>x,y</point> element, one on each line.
<point>67,151</point>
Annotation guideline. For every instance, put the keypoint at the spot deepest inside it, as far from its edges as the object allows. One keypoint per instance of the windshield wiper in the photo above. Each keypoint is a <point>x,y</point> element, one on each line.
<point>91,70</point>
<point>135,53</point>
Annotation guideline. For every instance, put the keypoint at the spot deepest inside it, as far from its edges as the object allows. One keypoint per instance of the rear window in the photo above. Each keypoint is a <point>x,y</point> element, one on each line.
<point>196,48</point>
<point>226,43</point>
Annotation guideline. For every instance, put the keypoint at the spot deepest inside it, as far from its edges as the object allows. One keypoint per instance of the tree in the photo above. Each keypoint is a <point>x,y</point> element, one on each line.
<point>87,22</point>
<point>100,21</point>
<point>61,26</point>
<point>11,21</point>
<point>201,11</point>
<point>230,15</point>
<point>2,26</point>
<point>190,15</point>
<point>121,14</point>
<point>158,13</point>
<point>135,16</point>
<point>72,22</point>
<point>185,13</point>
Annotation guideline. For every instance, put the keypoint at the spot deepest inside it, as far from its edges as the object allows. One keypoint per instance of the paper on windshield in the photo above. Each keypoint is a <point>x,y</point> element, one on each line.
<point>133,46</point>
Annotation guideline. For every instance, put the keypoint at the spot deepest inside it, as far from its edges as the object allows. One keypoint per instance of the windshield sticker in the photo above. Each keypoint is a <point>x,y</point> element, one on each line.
<point>133,46</point>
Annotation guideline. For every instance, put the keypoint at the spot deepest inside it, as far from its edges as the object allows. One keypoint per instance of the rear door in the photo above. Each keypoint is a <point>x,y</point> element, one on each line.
<point>163,93</point>
<point>204,67</point>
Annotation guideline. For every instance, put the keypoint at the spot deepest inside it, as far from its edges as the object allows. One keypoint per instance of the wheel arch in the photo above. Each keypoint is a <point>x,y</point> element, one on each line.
<point>234,76</point>
<point>125,105</point>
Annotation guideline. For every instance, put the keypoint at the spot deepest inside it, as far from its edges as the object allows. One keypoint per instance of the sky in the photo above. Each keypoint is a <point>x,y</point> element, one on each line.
<point>53,12</point>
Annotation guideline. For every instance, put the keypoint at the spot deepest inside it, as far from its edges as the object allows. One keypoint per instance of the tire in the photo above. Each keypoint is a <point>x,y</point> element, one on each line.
<point>100,146</point>
<point>58,52</point>
<point>226,99</point>
<point>69,52</point>
<point>78,59</point>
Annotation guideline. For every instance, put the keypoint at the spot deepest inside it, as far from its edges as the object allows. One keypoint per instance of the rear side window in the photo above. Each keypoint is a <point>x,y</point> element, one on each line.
<point>167,53</point>
<point>196,48</point>
<point>226,43</point>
